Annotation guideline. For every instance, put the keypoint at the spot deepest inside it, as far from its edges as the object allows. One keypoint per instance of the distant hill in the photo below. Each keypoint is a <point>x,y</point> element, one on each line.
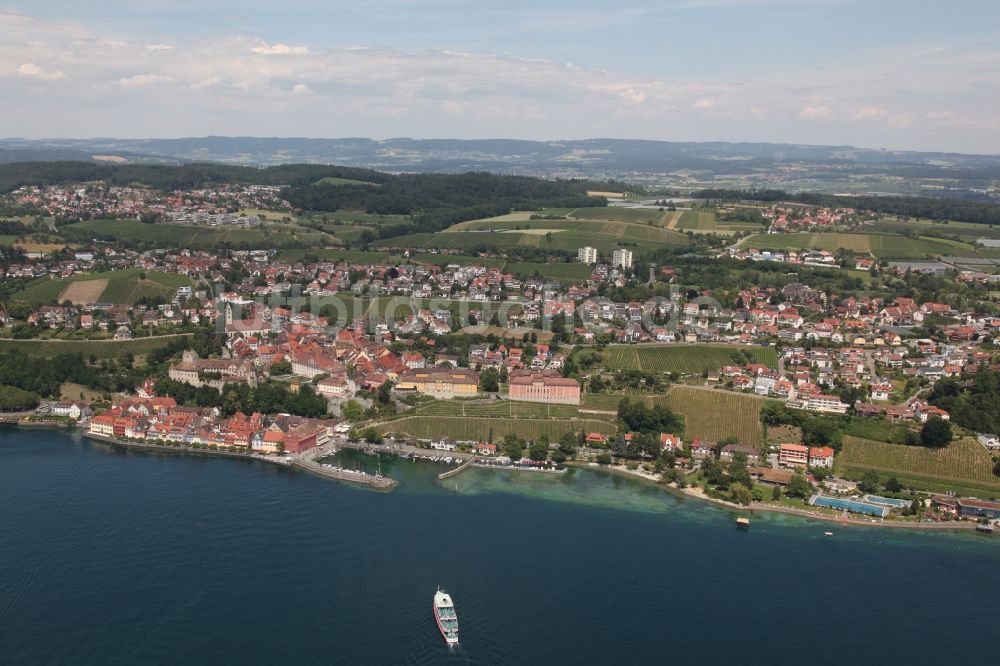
<point>656,164</point>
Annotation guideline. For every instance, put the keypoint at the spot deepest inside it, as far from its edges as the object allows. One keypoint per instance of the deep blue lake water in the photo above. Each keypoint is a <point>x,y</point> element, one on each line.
<point>113,557</point>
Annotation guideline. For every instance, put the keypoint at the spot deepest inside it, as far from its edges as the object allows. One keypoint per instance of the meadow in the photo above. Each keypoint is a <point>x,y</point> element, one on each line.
<point>559,271</point>
<point>198,237</point>
<point>962,464</point>
<point>703,221</point>
<point>124,287</point>
<point>87,348</point>
<point>683,359</point>
<point>882,246</point>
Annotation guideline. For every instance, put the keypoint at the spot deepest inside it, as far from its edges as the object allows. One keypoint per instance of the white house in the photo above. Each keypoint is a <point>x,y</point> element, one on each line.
<point>988,440</point>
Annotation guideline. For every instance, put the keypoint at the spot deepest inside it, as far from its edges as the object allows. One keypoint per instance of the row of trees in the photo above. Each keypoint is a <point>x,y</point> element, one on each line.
<point>266,398</point>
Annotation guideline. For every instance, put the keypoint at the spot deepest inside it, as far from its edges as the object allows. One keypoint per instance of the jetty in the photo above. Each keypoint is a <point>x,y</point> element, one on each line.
<point>308,461</point>
<point>458,470</point>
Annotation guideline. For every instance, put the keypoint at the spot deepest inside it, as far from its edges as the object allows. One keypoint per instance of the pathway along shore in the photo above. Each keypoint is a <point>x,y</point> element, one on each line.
<point>305,462</point>
<point>754,507</point>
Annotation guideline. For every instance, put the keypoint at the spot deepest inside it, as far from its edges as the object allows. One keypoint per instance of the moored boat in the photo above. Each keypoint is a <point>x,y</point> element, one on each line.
<point>446,617</point>
<point>743,523</point>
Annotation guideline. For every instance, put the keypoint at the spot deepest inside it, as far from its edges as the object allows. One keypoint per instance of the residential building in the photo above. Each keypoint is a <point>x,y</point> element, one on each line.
<point>793,455</point>
<point>622,258</point>
<point>821,456</point>
<point>587,255</point>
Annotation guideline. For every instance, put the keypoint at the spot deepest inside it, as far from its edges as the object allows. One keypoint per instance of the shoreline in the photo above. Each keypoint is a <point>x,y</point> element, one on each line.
<point>306,464</point>
<point>698,494</point>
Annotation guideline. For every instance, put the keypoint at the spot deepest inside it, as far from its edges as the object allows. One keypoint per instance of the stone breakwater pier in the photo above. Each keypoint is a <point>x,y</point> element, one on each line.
<point>308,461</point>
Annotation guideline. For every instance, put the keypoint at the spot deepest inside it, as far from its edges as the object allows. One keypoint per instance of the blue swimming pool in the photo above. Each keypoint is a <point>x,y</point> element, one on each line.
<point>852,505</point>
<point>890,502</point>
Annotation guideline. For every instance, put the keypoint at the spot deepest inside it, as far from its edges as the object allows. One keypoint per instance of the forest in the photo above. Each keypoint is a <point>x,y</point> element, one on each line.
<point>931,208</point>
<point>168,177</point>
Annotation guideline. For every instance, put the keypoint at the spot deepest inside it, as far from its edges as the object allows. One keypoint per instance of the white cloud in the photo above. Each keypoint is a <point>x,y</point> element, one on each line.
<point>869,113</point>
<point>30,70</point>
<point>815,112</point>
<point>140,80</point>
<point>242,84</point>
<point>280,49</point>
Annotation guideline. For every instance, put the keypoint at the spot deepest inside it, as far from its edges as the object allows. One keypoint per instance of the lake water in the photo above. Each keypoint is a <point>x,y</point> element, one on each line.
<point>114,557</point>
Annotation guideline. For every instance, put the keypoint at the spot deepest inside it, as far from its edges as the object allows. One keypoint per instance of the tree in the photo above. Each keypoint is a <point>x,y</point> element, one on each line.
<point>799,486</point>
<point>512,447</point>
<point>281,368</point>
<point>538,451</point>
<point>740,494</point>
<point>567,444</point>
<point>385,393</point>
<point>776,494</point>
<point>489,381</point>
<point>936,433</point>
<point>996,468</point>
<point>893,485</point>
<point>869,482</point>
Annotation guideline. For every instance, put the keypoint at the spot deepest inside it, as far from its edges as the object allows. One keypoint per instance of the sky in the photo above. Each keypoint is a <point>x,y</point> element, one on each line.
<point>895,74</point>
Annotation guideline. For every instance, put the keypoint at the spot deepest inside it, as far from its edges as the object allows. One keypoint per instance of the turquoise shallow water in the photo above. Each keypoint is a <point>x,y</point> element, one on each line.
<point>113,557</point>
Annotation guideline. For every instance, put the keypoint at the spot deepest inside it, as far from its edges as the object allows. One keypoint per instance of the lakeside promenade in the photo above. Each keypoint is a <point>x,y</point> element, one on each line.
<point>306,462</point>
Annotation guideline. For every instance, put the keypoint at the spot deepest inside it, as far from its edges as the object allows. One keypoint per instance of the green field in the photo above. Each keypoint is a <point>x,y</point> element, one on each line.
<point>562,228</point>
<point>964,465</point>
<point>333,180</point>
<point>703,221</point>
<point>966,231</point>
<point>175,235</point>
<point>882,246</point>
<point>356,217</point>
<point>563,271</point>
<point>456,259</point>
<point>716,415</point>
<point>87,348</point>
<point>124,287</point>
<point>545,238</point>
<point>619,213</point>
<point>684,359</point>
<point>480,429</point>
<point>330,254</point>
